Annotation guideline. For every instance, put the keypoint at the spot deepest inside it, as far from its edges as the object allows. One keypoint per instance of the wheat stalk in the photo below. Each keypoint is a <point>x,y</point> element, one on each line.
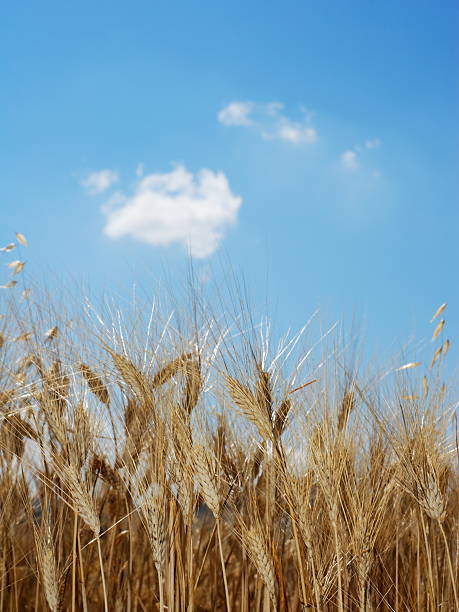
<point>47,563</point>
<point>95,384</point>
<point>206,473</point>
<point>81,496</point>
<point>248,405</point>
<point>258,550</point>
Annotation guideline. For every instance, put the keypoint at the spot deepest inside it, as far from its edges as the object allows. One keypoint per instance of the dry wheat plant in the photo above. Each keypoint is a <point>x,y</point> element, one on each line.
<point>184,463</point>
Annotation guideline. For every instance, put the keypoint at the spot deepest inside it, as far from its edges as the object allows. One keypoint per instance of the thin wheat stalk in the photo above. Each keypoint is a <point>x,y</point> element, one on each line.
<point>47,563</point>
<point>248,404</point>
<point>258,552</point>
<point>86,509</point>
<point>95,384</point>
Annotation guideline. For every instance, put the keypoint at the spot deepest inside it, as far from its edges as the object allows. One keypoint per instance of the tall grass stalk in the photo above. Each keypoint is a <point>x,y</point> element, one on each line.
<point>208,469</point>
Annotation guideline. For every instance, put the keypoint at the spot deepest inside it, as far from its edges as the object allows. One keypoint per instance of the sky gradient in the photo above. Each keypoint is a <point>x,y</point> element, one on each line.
<point>312,145</point>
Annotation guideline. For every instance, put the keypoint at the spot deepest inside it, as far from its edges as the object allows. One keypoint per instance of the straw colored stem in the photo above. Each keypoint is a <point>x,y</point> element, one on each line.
<point>450,565</point>
<point>338,564</point>
<point>161,591</point>
<point>74,558</point>
<point>429,561</point>
<point>222,559</point>
<point>104,587</point>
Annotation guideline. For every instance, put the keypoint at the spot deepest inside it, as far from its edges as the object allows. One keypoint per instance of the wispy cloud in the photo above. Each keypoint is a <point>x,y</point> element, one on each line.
<point>236,113</point>
<point>374,143</point>
<point>270,121</point>
<point>98,182</point>
<point>295,133</point>
<point>176,207</point>
<point>350,159</point>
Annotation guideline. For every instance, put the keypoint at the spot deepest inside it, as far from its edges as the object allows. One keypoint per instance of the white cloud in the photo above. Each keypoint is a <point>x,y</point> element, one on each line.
<point>236,113</point>
<point>270,121</point>
<point>296,133</point>
<point>176,207</point>
<point>98,182</point>
<point>374,143</point>
<point>349,159</point>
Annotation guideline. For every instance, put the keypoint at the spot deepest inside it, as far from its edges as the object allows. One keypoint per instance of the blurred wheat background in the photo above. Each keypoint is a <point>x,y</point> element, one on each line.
<point>185,463</point>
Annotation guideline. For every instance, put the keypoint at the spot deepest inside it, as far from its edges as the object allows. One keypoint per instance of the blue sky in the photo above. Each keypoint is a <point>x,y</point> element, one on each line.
<point>312,145</point>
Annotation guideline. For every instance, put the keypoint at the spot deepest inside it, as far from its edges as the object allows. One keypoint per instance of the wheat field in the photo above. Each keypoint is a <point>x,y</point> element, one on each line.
<point>187,464</point>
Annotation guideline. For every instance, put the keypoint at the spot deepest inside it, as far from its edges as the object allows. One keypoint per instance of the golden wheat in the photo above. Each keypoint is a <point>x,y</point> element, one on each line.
<point>190,487</point>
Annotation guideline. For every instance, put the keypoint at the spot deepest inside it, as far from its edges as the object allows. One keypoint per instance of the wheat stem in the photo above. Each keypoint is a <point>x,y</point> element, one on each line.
<point>82,577</point>
<point>338,563</point>
<point>161,590</point>
<point>429,559</point>
<point>222,560</point>
<point>104,587</point>
<point>450,565</point>
<point>74,557</point>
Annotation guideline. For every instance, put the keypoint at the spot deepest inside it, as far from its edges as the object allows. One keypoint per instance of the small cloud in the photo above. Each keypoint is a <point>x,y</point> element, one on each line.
<point>176,207</point>
<point>236,113</point>
<point>273,108</point>
<point>349,159</point>
<point>270,121</point>
<point>139,170</point>
<point>296,133</point>
<point>98,182</point>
